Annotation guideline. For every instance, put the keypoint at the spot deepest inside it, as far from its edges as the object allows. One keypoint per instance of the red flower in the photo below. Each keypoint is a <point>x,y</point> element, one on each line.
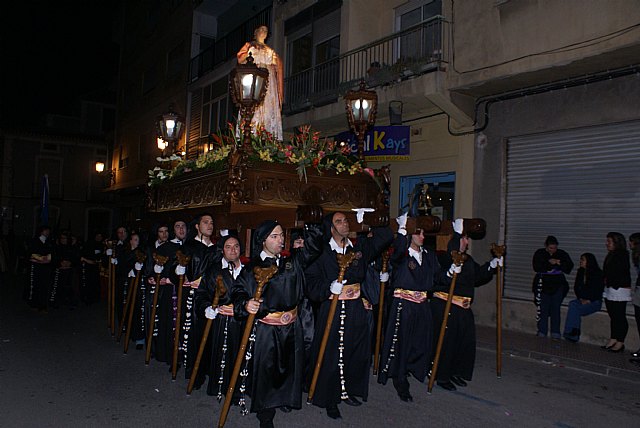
<point>315,162</point>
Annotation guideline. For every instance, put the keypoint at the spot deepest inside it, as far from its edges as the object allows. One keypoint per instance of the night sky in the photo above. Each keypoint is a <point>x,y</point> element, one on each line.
<point>53,52</point>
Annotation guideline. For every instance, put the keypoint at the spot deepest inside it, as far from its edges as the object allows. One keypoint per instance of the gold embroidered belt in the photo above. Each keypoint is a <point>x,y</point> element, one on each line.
<point>463,302</point>
<point>280,318</point>
<point>226,310</point>
<point>410,295</point>
<point>349,292</point>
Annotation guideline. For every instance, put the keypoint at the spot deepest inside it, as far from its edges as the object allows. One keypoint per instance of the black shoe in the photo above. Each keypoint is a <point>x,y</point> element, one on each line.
<point>285,409</point>
<point>447,385</point>
<point>458,381</point>
<point>351,401</point>
<point>620,349</point>
<point>607,347</point>
<point>267,424</point>
<point>334,413</point>
<point>139,346</point>
<point>406,397</point>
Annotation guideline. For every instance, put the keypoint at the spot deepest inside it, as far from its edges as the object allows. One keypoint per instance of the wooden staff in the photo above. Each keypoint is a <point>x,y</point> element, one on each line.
<point>125,309</point>
<point>376,355</point>
<point>112,309</point>
<point>262,276</point>
<point>344,260</point>
<point>458,260</point>
<point>140,258</point>
<point>183,260</point>
<point>220,290</point>
<point>498,251</point>
<point>160,260</point>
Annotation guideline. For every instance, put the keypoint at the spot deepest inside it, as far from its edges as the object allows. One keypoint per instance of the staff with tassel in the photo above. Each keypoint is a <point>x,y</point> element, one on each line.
<point>344,260</point>
<point>458,260</point>
<point>262,276</point>
<point>183,261</point>
<point>498,251</point>
<point>140,258</point>
<point>160,261</point>
<point>220,291</point>
<point>376,355</point>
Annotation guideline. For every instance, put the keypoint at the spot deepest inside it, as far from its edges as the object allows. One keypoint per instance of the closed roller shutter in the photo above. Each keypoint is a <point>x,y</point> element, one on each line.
<point>577,185</point>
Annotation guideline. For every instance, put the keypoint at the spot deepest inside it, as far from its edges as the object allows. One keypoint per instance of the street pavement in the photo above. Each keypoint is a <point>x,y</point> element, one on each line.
<point>64,369</point>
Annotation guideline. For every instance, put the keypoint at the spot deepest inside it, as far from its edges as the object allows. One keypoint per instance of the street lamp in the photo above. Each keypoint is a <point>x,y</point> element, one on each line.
<point>248,87</point>
<point>99,167</point>
<point>170,127</point>
<point>108,176</point>
<point>361,106</point>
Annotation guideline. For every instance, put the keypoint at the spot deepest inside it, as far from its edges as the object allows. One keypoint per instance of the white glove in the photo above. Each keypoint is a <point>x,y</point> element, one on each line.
<point>501,261</point>
<point>384,276</point>
<point>336,286</point>
<point>224,232</point>
<point>496,262</point>
<point>458,225</point>
<point>114,261</point>
<point>402,223</point>
<point>454,269</point>
<point>211,313</point>
<point>109,252</point>
<point>157,268</point>
<point>132,273</point>
<point>138,266</point>
<point>360,213</point>
<point>180,270</point>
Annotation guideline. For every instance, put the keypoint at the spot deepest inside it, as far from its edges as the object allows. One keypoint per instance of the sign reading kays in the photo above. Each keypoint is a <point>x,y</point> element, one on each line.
<point>382,143</point>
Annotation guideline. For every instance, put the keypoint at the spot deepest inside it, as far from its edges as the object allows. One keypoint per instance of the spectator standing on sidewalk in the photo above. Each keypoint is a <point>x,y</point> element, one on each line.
<point>617,292</point>
<point>550,285</point>
<point>634,245</point>
<point>588,287</point>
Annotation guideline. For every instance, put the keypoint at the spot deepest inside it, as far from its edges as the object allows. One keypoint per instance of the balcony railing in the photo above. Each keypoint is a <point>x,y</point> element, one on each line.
<point>226,47</point>
<point>417,50</point>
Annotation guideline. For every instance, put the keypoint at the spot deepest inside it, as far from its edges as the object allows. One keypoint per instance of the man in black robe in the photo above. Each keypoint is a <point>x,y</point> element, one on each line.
<point>345,369</point>
<point>275,375</point>
<point>408,339</point>
<point>40,250</point>
<point>91,255</point>
<point>458,354</point>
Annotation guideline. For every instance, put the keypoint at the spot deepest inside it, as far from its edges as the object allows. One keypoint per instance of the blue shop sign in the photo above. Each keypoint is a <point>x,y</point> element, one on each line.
<point>382,143</point>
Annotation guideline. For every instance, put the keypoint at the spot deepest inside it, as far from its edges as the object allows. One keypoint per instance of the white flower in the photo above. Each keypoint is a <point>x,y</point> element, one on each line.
<point>157,168</point>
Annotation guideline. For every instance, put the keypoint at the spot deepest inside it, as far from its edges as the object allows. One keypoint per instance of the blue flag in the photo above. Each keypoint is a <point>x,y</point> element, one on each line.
<point>44,205</point>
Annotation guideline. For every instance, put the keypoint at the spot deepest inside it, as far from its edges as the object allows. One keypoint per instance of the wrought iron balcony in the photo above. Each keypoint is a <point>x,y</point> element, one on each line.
<point>417,50</point>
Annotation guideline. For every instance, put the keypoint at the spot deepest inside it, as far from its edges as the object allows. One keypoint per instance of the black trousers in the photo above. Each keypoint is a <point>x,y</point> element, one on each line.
<point>617,314</point>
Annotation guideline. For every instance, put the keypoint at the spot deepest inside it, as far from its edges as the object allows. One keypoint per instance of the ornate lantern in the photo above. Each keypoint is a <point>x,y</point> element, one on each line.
<point>361,106</point>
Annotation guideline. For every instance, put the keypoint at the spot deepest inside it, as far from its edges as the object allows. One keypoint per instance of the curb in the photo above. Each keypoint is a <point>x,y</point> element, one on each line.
<point>570,363</point>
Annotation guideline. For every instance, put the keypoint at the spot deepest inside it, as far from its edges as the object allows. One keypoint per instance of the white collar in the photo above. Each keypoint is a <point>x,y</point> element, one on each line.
<point>337,248</point>
<point>42,238</point>
<point>197,238</point>
<point>177,241</point>
<point>264,255</point>
<point>416,255</point>
<point>236,270</point>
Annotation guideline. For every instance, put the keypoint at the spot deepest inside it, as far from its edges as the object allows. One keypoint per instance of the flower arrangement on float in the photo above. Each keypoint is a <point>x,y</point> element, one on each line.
<point>306,149</point>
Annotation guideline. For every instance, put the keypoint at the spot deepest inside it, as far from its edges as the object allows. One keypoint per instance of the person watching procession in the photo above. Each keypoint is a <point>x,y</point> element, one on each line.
<point>275,374</point>
<point>90,258</point>
<point>62,262</point>
<point>634,246</point>
<point>458,354</point>
<point>226,331</point>
<point>345,367</point>
<point>588,288</point>
<point>617,292</point>
<point>550,285</point>
<point>408,340</point>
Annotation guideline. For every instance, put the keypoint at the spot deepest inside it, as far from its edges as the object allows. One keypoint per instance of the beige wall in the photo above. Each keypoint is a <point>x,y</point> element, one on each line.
<point>500,39</point>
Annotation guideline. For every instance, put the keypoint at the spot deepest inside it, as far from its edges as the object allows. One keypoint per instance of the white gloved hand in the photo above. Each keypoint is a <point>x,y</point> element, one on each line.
<point>384,276</point>
<point>454,269</point>
<point>336,286</point>
<point>402,223</point>
<point>360,213</point>
<point>157,268</point>
<point>180,270</point>
<point>114,261</point>
<point>211,313</point>
<point>458,226</point>
<point>501,261</point>
<point>132,274</point>
<point>138,266</point>
<point>493,263</point>
<point>109,252</point>
<point>224,232</point>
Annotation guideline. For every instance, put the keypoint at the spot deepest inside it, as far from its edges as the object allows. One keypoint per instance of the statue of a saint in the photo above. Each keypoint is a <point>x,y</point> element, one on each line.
<point>268,114</point>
